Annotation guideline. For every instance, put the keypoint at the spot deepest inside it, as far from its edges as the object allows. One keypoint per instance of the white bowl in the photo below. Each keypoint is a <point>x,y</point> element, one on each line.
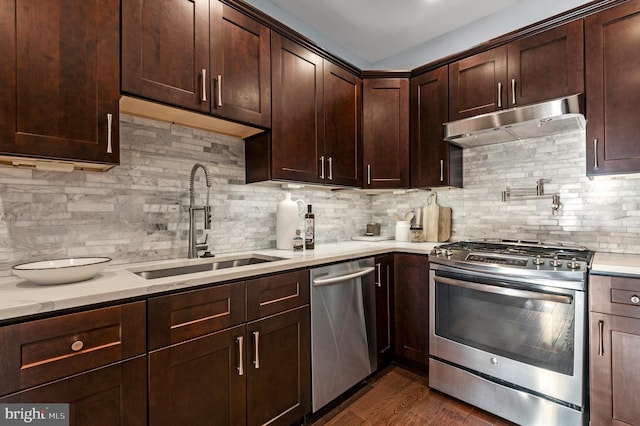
<point>61,271</point>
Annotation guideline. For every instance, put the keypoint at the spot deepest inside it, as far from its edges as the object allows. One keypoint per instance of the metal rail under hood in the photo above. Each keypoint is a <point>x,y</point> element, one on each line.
<point>553,117</point>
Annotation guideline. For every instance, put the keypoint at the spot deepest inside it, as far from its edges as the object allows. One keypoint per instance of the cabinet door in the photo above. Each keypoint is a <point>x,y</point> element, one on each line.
<point>278,368</point>
<point>199,382</point>
<point>547,65</point>
<point>434,162</point>
<point>342,112</point>
<point>386,132</point>
<point>165,51</point>
<point>477,84</point>
<point>384,303</point>
<point>298,117</point>
<point>59,79</point>
<point>411,295</point>
<point>615,377</point>
<point>113,395</point>
<point>240,66</point>
<point>613,133</point>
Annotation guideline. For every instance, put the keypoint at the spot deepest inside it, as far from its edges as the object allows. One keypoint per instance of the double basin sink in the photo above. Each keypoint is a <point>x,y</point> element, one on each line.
<point>215,264</point>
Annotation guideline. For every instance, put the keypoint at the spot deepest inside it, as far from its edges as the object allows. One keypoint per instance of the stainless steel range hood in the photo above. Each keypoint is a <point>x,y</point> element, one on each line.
<point>547,118</point>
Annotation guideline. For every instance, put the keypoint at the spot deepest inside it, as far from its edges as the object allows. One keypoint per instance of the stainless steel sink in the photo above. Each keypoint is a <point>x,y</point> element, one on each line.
<point>214,264</point>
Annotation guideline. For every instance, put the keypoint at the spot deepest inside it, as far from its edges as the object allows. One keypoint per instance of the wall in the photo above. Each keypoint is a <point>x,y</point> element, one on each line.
<point>139,210</point>
<point>601,214</point>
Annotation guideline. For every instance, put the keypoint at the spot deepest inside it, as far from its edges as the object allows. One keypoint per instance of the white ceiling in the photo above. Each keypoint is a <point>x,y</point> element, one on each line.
<point>377,29</point>
<point>387,33</point>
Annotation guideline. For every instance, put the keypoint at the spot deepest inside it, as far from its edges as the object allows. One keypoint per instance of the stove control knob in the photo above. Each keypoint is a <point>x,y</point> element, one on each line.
<point>555,262</point>
<point>494,360</point>
<point>449,252</point>
<point>538,261</point>
<point>573,264</point>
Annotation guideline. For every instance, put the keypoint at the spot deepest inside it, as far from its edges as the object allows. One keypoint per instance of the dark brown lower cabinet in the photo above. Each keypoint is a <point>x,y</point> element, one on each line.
<point>411,301</point>
<point>384,311</point>
<point>107,396</point>
<point>278,368</point>
<point>615,377</point>
<point>253,374</point>
<point>199,382</point>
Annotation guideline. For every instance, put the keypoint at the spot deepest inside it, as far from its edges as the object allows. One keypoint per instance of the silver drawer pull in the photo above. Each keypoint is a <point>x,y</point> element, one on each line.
<point>203,96</point>
<point>635,299</point>
<point>219,89</point>
<point>77,345</point>
<point>109,127</point>
<point>595,153</point>
<point>499,95</point>
<point>601,338</point>
<point>513,90</point>
<point>240,368</point>
<point>256,338</point>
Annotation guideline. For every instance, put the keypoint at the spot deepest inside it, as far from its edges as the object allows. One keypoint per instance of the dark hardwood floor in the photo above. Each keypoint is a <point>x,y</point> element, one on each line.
<point>398,396</point>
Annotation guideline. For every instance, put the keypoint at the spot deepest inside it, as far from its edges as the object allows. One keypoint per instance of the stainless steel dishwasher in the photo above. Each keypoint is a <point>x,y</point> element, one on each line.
<point>343,338</point>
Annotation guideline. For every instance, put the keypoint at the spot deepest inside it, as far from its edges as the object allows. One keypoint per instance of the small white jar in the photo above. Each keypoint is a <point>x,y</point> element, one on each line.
<point>402,230</point>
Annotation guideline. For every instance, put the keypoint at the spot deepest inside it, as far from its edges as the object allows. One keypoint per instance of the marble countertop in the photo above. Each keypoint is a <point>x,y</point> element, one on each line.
<point>20,298</point>
<point>616,264</point>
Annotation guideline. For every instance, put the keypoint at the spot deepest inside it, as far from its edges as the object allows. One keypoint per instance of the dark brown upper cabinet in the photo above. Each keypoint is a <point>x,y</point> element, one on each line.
<point>197,54</point>
<point>316,123</point>
<point>613,93</point>
<point>540,67</point>
<point>434,162</point>
<point>342,126</point>
<point>60,82</point>
<point>386,132</point>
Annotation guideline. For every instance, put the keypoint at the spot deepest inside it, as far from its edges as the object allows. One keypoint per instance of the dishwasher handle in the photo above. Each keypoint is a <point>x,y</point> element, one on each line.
<point>341,278</point>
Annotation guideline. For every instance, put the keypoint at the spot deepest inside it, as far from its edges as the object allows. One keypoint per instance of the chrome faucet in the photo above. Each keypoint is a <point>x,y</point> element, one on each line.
<point>194,247</point>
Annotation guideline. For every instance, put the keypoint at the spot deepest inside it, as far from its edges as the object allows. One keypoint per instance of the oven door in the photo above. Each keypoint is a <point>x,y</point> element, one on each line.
<point>528,337</point>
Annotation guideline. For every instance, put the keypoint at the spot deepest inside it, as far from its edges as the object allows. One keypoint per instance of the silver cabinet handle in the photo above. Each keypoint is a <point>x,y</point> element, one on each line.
<point>441,170</point>
<point>595,153</point>
<point>203,96</point>
<point>109,126</point>
<point>368,174</point>
<point>378,275</point>
<point>499,95</point>
<point>240,341</point>
<point>513,90</point>
<point>322,167</point>
<point>330,160</point>
<point>256,338</point>
<point>219,89</point>
<point>635,299</point>
<point>601,338</point>
<point>77,345</point>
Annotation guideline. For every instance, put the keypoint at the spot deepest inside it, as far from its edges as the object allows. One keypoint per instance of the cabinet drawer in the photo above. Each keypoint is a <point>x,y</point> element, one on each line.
<point>270,295</point>
<point>614,295</point>
<point>37,352</point>
<point>179,317</point>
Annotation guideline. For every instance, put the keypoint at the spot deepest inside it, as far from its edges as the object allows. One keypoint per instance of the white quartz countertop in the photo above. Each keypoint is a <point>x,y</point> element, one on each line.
<point>616,264</point>
<point>20,298</point>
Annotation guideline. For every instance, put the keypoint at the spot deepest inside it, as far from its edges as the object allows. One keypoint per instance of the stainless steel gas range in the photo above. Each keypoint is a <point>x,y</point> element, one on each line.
<point>508,328</point>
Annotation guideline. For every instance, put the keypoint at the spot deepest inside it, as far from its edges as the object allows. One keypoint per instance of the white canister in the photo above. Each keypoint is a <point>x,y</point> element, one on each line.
<point>287,221</point>
<point>402,230</point>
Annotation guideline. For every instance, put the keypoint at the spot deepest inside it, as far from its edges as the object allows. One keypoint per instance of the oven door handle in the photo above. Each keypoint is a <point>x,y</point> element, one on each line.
<point>526,294</point>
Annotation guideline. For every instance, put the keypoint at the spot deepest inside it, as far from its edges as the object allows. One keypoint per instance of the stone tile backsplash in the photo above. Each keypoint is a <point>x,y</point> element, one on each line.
<point>602,214</point>
<point>138,210</point>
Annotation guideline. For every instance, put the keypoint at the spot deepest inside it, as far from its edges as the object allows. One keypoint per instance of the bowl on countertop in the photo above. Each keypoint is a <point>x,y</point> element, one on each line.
<point>61,271</point>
